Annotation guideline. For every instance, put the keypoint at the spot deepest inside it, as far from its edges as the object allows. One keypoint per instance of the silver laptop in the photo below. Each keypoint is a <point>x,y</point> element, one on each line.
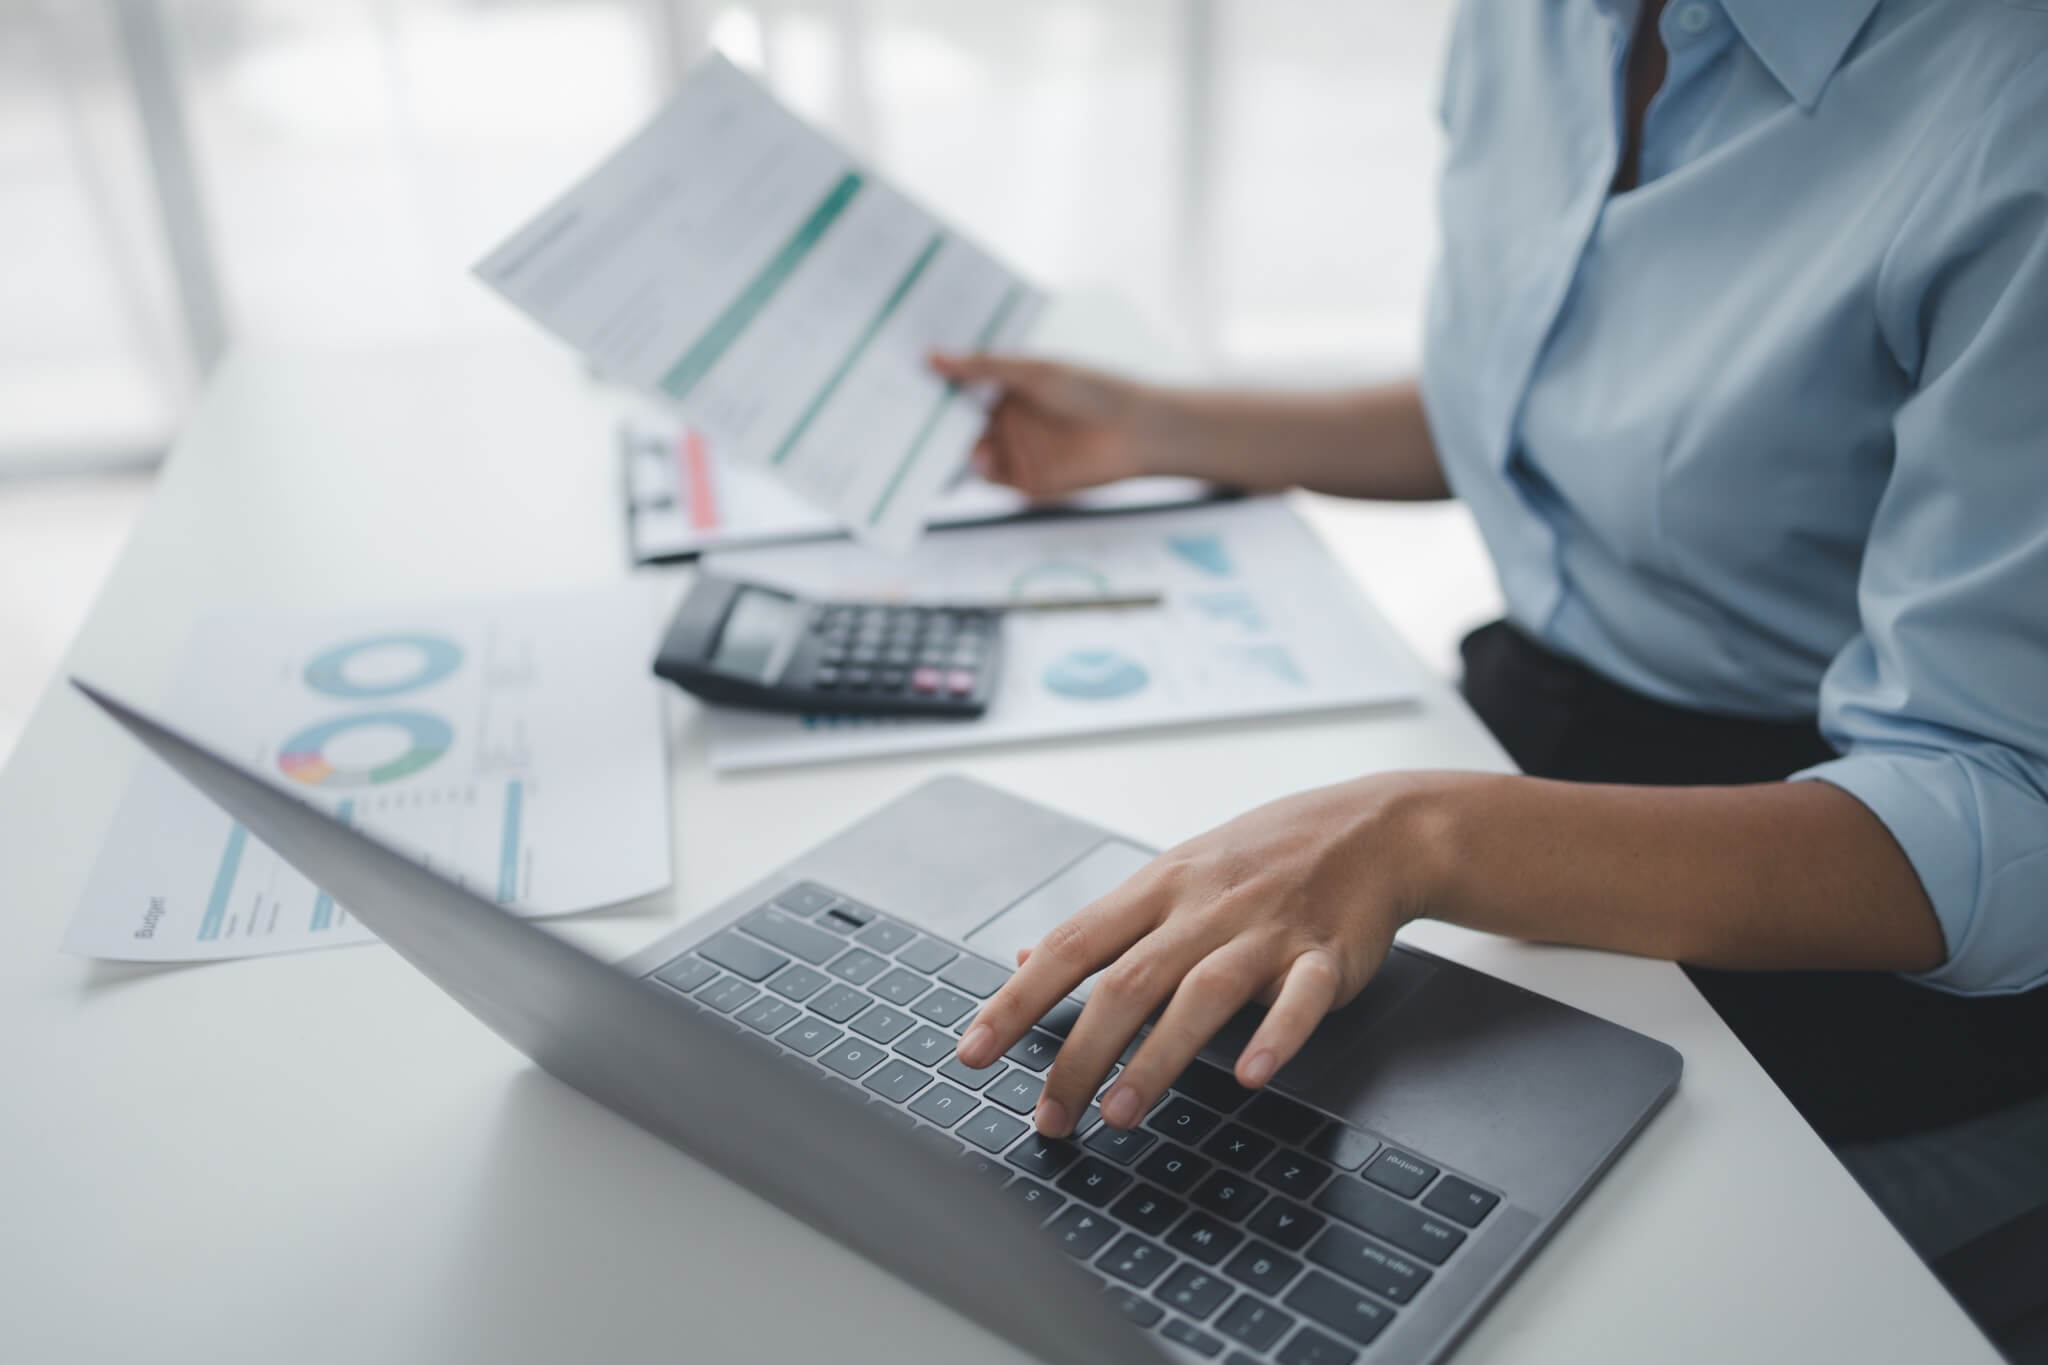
<point>1367,1205</point>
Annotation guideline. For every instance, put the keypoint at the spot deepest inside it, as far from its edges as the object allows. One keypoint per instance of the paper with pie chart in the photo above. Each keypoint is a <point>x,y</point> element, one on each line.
<point>515,747</point>
<point>1258,620</point>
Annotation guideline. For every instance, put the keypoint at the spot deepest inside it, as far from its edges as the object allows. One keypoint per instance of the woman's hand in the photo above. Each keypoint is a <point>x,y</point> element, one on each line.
<point>1056,428</point>
<point>1294,904</point>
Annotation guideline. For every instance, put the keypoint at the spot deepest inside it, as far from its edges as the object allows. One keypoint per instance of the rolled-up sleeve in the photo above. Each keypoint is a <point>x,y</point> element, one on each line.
<point>1940,704</point>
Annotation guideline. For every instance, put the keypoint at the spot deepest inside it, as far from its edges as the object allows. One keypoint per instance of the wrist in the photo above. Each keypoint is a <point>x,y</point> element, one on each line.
<point>1163,432</point>
<point>1427,819</point>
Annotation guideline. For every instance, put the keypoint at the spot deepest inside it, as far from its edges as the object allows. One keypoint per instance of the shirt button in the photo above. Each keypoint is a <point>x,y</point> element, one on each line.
<point>1695,19</point>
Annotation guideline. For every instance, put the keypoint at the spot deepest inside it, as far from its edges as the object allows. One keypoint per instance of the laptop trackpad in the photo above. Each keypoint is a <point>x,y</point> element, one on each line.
<point>1095,874</point>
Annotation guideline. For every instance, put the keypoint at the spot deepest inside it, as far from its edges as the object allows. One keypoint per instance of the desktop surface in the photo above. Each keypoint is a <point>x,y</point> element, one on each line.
<point>320,1157</point>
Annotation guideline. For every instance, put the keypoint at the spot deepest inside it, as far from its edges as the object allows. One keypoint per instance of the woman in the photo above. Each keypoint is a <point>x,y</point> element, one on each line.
<point>1738,352</point>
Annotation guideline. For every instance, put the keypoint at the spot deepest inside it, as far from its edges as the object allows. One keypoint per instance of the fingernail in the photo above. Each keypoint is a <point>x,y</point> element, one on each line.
<point>1258,1068</point>
<point>1051,1118</point>
<point>1120,1107</point>
<point>976,1040</point>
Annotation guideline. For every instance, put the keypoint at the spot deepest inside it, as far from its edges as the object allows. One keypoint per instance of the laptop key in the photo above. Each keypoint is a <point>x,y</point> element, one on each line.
<point>806,898</point>
<point>943,1104</point>
<point>854,1058</point>
<point>1288,1225</point>
<point>984,1165</point>
<point>926,1044</point>
<point>1342,1146</point>
<point>1264,1268</point>
<point>1233,1196</point>
<point>943,1007</point>
<point>1256,1324</point>
<point>1390,1220</point>
<point>809,1037</point>
<point>1017,1091</point>
<point>742,956</point>
<point>1192,1337</point>
<point>992,1130</point>
<point>1310,1347</point>
<point>849,912</point>
<point>1395,1170</point>
<point>927,955</point>
<point>885,935</point>
<point>899,986</point>
<point>727,994</point>
<point>1035,1049</point>
<point>1194,1291</point>
<point>1149,1211</point>
<point>1204,1237</point>
<point>798,982</point>
<point>1176,1168</point>
<point>1041,1202</point>
<point>1134,1306</point>
<point>1098,1182</point>
<point>1238,1147</point>
<point>897,1081</point>
<point>1135,1261</point>
<point>1182,1119</point>
<point>1081,1231</point>
<point>1279,1117</point>
<point>768,1014</point>
<point>859,966</point>
<point>1043,1156</point>
<point>973,1077</point>
<point>1339,1308</point>
<point>1369,1265</point>
<point>797,937</point>
<point>1213,1086</point>
<point>1292,1173</point>
<point>883,1024</point>
<point>686,973</point>
<point>971,974</point>
<point>1120,1144</point>
<point>841,1003</point>
<point>1461,1201</point>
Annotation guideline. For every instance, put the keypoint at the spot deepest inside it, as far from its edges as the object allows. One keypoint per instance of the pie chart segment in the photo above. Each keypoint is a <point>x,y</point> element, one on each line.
<point>304,757</point>
<point>383,665</point>
<point>1096,675</point>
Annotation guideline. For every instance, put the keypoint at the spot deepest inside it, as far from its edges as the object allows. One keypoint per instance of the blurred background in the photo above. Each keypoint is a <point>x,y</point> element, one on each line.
<point>180,177</point>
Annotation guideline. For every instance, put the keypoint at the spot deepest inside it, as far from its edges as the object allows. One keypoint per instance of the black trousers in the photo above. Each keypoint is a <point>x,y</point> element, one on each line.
<point>1863,1055</point>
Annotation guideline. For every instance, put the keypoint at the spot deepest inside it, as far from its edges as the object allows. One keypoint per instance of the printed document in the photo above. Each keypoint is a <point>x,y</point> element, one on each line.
<point>515,747</point>
<point>1258,620</point>
<point>736,261</point>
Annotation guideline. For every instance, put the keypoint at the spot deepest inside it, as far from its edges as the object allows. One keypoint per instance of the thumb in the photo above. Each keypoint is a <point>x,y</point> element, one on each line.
<point>1029,377</point>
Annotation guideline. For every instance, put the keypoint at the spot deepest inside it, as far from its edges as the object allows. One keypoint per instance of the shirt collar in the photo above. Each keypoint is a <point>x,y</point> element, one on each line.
<point>1800,42</point>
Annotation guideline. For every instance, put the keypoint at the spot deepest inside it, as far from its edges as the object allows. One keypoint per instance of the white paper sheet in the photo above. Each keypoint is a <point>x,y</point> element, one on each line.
<point>735,260</point>
<point>1259,620</point>
<point>514,746</point>
<point>685,498</point>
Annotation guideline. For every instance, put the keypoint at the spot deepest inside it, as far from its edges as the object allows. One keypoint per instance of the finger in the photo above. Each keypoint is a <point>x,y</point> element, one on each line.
<point>1124,997</point>
<point>1213,990</point>
<point>1010,371</point>
<point>1065,957</point>
<point>1308,993</point>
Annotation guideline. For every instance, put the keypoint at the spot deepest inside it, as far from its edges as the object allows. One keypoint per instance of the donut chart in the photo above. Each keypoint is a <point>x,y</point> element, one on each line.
<point>303,757</point>
<point>437,657</point>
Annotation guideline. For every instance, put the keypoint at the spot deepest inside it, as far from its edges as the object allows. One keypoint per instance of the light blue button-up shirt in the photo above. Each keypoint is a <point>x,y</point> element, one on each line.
<point>1768,434</point>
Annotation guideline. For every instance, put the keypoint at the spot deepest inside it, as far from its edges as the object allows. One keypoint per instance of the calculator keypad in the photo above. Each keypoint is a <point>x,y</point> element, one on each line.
<point>909,659</point>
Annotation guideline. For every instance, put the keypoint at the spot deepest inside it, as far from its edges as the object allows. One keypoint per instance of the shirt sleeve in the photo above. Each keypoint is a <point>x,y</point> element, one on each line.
<point>1940,703</point>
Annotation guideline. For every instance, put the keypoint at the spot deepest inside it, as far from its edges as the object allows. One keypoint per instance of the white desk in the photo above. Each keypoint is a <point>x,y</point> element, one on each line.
<point>320,1158</point>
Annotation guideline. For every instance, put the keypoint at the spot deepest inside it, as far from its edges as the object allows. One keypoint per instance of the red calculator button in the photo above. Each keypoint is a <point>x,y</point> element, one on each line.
<point>925,680</point>
<point>960,682</point>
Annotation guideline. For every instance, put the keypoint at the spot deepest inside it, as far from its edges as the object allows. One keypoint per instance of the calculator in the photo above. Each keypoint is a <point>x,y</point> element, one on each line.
<point>743,644</point>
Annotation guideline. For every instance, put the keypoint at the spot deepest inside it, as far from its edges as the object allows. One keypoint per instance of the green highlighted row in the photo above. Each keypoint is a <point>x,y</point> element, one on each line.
<point>740,313</point>
<point>987,334</point>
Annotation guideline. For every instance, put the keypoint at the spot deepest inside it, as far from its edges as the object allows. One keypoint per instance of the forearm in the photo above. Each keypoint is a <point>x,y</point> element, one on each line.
<point>1368,443</point>
<point>1777,876</point>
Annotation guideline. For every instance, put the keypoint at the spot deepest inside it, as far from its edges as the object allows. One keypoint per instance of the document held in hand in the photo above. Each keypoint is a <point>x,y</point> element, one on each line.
<point>736,261</point>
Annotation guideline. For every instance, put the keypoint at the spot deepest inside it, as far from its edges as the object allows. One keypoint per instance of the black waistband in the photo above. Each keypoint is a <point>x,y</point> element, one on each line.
<point>1863,1055</point>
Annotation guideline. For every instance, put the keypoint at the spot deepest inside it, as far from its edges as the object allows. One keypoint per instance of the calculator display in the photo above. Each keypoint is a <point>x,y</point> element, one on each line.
<point>754,629</point>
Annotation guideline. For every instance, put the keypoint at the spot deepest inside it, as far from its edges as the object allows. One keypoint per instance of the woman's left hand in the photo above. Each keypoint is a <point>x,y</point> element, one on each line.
<point>1294,904</point>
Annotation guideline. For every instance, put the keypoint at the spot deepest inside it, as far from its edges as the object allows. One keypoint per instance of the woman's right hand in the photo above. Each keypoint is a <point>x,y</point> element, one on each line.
<point>1056,428</point>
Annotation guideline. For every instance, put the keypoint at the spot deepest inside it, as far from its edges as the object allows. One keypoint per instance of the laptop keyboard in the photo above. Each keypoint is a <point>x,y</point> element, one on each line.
<point>1241,1226</point>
